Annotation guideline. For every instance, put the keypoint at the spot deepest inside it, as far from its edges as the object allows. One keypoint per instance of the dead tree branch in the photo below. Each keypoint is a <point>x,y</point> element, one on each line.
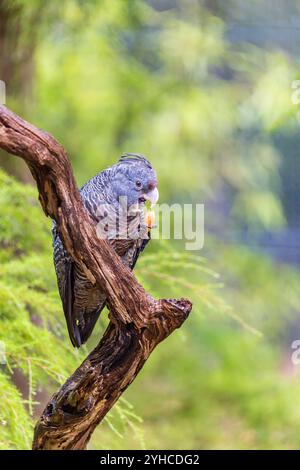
<point>138,322</point>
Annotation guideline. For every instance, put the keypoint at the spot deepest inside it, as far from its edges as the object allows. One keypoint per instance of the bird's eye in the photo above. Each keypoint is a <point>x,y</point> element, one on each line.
<point>138,184</point>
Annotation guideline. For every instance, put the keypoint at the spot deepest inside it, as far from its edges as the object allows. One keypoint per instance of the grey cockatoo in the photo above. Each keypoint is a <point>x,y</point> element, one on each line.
<point>115,199</point>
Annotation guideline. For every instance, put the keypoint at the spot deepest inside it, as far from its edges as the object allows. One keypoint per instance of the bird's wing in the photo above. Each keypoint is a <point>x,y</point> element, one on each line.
<point>131,256</point>
<point>64,267</point>
<point>68,302</point>
<point>139,249</point>
<point>74,288</point>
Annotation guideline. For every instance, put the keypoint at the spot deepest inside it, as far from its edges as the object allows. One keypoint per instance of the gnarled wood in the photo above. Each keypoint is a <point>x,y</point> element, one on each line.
<point>138,322</point>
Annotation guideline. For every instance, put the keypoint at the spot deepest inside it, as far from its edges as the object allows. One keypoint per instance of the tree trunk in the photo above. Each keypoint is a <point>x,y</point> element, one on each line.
<point>138,322</point>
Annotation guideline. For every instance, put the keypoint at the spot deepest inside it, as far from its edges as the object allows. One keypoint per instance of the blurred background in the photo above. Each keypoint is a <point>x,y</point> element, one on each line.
<point>205,89</point>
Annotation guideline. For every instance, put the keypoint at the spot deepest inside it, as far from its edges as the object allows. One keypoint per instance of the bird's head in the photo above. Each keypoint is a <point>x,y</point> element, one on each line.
<point>135,179</point>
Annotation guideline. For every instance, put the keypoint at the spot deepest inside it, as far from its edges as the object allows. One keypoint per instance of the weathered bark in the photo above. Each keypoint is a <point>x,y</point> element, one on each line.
<point>138,322</point>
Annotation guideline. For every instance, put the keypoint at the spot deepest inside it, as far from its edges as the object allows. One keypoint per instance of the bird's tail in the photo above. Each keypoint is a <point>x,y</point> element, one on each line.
<point>81,325</point>
<point>90,320</point>
<point>80,321</point>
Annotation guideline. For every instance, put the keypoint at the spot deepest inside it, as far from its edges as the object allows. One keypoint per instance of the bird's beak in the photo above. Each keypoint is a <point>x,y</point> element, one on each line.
<point>152,196</point>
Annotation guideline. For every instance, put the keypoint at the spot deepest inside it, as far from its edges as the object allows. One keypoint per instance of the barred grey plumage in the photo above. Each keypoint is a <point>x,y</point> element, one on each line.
<point>133,178</point>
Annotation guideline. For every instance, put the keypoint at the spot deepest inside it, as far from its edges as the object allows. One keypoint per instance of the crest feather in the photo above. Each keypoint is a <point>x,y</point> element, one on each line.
<point>132,157</point>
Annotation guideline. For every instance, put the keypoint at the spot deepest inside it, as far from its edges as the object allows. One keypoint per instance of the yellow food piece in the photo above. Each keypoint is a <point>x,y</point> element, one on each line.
<point>150,218</point>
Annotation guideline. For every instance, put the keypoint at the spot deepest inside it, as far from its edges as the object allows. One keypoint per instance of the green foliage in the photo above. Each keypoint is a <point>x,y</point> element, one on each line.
<point>213,112</point>
<point>32,328</point>
<point>225,380</point>
<point>218,373</point>
<point>112,76</point>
